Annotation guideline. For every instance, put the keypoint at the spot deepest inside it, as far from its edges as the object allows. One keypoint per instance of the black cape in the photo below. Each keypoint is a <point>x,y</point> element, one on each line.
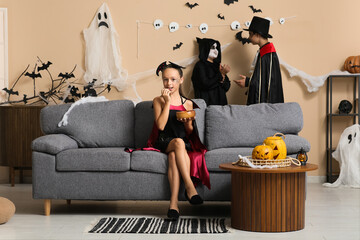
<point>206,77</point>
<point>267,70</point>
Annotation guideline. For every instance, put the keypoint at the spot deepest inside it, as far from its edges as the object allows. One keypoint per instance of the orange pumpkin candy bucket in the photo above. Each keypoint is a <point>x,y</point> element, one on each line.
<point>278,145</point>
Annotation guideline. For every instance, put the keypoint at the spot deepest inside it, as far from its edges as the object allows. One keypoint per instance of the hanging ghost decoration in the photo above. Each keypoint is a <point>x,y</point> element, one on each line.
<point>347,153</point>
<point>102,54</point>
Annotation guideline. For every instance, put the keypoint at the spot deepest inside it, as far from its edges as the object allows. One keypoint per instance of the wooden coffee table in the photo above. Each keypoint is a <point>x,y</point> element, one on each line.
<point>268,200</point>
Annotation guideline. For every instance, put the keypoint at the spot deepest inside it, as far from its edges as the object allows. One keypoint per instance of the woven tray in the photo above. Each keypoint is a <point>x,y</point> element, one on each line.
<point>271,163</point>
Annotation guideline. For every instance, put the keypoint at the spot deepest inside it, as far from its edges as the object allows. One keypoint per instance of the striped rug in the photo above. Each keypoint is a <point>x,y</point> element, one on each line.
<point>159,225</point>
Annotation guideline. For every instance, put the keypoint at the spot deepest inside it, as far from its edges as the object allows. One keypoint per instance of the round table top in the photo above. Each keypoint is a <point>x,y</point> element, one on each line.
<point>290,169</point>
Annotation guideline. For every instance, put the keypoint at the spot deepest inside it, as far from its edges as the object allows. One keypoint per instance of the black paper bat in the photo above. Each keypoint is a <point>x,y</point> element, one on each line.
<point>25,99</point>
<point>191,5</point>
<point>74,92</point>
<point>241,39</point>
<point>254,9</point>
<point>108,87</point>
<point>177,46</point>
<point>69,100</point>
<point>66,75</point>
<point>33,75</point>
<point>93,82</point>
<point>228,2</point>
<point>11,92</point>
<point>44,66</point>
<point>89,91</point>
<point>221,17</point>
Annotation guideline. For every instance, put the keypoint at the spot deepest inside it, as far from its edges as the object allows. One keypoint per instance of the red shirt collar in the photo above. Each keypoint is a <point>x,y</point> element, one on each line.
<point>267,48</point>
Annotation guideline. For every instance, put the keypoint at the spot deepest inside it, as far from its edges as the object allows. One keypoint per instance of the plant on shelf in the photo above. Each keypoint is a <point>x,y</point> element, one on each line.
<point>62,89</point>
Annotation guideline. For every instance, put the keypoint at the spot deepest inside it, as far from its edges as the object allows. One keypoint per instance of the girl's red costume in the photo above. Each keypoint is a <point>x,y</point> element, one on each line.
<point>196,152</point>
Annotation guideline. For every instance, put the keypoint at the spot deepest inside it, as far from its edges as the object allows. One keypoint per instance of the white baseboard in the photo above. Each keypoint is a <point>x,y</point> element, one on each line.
<point>316,179</point>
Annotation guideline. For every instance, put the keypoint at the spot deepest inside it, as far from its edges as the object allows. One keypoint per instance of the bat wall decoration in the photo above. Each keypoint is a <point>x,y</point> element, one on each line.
<point>241,39</point>
<point>177,46</point>
<point>33,75</point>
<point>191,6</point>
<point>108,87</point>
<point>45,66</point>
<point>10,91</point>
<point>57,90</point>
<point>221,17</point>
<point>254,9</point>
<point>228,2</point>
<point>25,100</point>
<point>74,92</point>
<point>66,75</point>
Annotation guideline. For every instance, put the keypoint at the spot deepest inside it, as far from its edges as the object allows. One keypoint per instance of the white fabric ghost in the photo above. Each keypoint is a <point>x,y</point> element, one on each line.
<point>347,153</point>
<point>102,54</point>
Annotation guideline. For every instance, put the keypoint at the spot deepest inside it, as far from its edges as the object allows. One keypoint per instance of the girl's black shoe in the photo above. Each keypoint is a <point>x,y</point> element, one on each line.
<point>173,214</point>
<point>195,200</point>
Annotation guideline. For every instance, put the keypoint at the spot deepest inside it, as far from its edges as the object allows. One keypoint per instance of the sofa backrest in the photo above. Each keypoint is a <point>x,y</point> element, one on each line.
<point>246,126</point>
<point>98,124</point>
<point>144,120</point>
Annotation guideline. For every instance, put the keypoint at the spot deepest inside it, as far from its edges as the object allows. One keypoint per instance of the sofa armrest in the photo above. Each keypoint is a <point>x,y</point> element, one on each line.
<point>294,143</point>
<point>53,143</point>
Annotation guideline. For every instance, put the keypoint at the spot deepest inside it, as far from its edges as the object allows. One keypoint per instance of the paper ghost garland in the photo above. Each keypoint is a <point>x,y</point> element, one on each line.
<point>347,153</point>
<point>102,54</point>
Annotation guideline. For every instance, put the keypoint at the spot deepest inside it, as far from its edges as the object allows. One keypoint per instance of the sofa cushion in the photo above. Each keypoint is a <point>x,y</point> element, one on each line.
<point>144,120</point>
<point>200,118</point>
<point>215,157</point>
<point>98,124</point>
<point>93,159</point>
<point>149,161</point>
<point>246,126</point>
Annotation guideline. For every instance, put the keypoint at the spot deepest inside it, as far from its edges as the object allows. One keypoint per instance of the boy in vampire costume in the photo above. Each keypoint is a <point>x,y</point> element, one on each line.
<point>265,84</point>
<point>209,76</point>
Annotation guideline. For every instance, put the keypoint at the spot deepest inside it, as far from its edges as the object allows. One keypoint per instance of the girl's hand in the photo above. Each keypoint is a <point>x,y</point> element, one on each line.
<point>165,93</point>
<point>224,69</point>
<point>186,120</point>
<point>241,81</point>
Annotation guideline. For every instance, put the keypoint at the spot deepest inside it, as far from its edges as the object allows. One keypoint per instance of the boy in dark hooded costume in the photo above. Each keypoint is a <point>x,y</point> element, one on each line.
<point>265,84</point>
<point>209,76</point>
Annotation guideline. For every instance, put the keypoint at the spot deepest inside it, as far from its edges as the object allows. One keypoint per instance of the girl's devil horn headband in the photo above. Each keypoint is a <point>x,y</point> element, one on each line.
<point>167,64</point>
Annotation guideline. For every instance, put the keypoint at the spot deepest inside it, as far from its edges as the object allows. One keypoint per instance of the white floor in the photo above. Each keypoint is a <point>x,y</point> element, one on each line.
<point>330,214</point>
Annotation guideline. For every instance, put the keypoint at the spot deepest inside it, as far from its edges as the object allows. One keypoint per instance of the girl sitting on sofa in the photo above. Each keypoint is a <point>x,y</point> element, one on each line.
<point>178,138</point>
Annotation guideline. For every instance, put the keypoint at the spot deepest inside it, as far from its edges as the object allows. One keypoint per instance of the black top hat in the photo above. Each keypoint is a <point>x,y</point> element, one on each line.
<point>261,26</point>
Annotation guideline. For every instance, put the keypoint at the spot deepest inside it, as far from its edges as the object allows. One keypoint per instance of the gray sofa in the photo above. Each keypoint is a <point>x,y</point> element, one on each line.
<point>85,160</point>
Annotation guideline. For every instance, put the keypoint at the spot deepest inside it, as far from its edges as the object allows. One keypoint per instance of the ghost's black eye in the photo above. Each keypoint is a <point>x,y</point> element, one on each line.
<point>105,15</point>
<point>355,135</point>
<point>99,16</point>
<point>350,138</point>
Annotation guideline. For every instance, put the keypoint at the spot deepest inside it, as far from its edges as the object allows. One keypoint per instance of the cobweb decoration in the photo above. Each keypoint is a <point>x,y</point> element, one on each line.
<point>313,83</point>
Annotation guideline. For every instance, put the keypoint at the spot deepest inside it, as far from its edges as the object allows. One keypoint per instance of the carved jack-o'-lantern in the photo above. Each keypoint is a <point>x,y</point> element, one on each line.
<point>263,152</point>
<point>352,64</point>
<point>278,145</point>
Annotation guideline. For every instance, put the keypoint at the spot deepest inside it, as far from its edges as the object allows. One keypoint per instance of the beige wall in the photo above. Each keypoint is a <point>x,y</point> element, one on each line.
<point>317,41</point>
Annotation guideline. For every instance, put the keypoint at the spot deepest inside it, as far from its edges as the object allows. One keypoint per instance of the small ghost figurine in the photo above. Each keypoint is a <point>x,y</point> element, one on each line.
<point>347,153</point>
<point>102,54</point>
